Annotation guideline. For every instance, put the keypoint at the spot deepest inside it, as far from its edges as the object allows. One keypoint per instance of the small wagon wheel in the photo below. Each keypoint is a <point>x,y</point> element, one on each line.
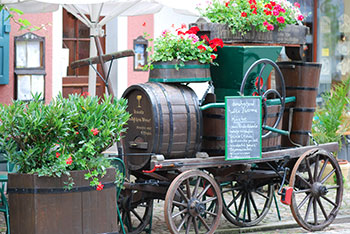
<point>269,92</point>
<point>317,184</point>
<point>193,203</point>
<point>136,213</point>
<point>246,203</point>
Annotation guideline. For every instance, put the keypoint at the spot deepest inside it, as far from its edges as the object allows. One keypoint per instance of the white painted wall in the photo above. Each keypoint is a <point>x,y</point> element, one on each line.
<point>122,44</point>
<point>58,55</point>
<point>111,47</point>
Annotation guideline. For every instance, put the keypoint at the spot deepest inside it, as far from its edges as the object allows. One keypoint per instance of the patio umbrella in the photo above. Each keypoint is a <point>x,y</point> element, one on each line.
<point>97,8</point>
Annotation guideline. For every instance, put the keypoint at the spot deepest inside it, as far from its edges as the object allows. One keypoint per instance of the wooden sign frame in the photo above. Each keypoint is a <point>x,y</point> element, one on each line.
<point>243,127</point>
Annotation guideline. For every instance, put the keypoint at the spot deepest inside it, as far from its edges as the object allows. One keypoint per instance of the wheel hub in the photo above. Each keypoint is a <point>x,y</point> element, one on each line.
<point>195,207</point>
<point>319,189</point>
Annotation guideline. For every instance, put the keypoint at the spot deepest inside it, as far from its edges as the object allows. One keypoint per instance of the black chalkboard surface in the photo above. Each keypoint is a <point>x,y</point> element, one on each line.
<point>243,127</point>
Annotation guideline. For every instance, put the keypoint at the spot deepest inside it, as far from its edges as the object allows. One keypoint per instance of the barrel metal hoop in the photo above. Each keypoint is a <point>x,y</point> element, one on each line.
<point>301,88</point>
<point>155,116</point>
<point>300,132</point>
<point>214,138</point>
<point>171,120</point>
<point>187,66</point>
<point>214,116</point>
<point>180,80</point>
<point>56,190</point>
<point>188,119</point>
<point>300,109</point>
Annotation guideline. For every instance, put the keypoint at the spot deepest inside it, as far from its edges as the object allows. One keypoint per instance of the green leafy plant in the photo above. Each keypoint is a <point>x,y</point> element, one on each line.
<point>242,15</point>
<point>65,135</point>
<point>329,122</point>
<point>183,45</point>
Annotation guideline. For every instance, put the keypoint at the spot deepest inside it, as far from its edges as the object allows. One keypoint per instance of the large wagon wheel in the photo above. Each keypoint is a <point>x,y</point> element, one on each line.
<point>246,203</point>
<point>136,212</point>
<point>317,184</point>
<point>193,203</point>
<point>270,92</point>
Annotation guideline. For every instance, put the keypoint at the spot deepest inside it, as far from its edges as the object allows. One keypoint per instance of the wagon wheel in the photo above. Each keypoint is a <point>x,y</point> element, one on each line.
<point>317,184</point>
<point>136,213</point>
<point>193,203</point>
<point>245,202</point>
<point>270,92</point>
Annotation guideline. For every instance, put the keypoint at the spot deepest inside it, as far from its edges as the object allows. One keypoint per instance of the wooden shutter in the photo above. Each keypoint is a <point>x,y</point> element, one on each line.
<point>5,29</point>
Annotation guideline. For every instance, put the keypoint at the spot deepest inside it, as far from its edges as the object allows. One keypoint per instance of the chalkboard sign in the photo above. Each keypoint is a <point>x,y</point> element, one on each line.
<point>243,127</point>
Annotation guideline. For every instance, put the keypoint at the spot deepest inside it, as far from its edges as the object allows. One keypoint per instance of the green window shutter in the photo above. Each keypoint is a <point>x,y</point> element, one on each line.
<point>5,29</point>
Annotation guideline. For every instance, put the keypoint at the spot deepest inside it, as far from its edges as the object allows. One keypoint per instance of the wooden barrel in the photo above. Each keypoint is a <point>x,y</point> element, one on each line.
<point>213,128</point>
<point>169,72</point>
<point>166,119</point>
<point>273,140</point>
<point>302,80</point>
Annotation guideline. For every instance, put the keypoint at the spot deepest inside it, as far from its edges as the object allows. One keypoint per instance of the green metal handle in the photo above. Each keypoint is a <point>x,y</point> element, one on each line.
<point>212,105</point>
<point>279,131</point>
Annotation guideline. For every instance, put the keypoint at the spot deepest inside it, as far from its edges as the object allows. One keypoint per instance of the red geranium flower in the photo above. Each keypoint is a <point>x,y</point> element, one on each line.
<point>296,4</point>
<point>280,20</point>
<point>215,43</point>
<point>202,48</point>
<point>57,154</point>
<point>273,3</point>
<point>300,17</point>
<point>205,38</point>
<point>193,30</point>
<point>76,133</point>
<point>69,160</point>
<point>95,131</point>
<point>244,14</point>
<point>227,3</point>
<point>270,27</point>
<point>99,187</point>
<point>213,56</point>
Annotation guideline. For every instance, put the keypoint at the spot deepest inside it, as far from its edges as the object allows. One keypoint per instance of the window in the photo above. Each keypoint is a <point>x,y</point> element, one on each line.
<point>29,66</point>
<point>140,58</point>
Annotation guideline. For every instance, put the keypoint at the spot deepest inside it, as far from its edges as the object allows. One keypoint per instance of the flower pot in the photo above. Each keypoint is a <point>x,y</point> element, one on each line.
<point>169,72</point>
<point>234,61</point>
<point>40,205</point>
<point>291,34</point>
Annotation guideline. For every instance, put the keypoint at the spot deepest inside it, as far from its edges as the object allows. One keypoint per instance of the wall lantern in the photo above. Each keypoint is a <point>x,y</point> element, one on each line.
<point>29,66</point>
<point>140,59</point>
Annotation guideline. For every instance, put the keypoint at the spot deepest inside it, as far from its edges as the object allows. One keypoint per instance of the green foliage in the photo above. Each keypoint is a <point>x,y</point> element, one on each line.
<point>183,45</point>
<point>329,123</point>
<point>65,135</point>
<point>243,15</point>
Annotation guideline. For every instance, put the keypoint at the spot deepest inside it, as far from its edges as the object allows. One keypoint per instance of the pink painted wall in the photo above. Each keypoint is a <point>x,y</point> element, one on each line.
<point>7,91</point>
<point>137,25</point>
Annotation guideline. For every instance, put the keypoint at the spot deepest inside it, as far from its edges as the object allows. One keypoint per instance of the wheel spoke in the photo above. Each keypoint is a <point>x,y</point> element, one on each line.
<point>333,187</point>
<point>261,194</point>
<point>204,191</point>
<point>210,213</point>
<point>195,225</point>
<point>248,207</point>
<point>308,208</point>
<point>182,194</point>
<point>232,189</point>
<point>304,180</point>
<point>179,204</point>
<point>331,202</point>
<point>316,168</point>
<point>188,190</point>
<point>240,206</point>
<point>254,205</point>
<point>183,222</point>
<point>302,191</point>
<point>309,170</point>
<point>322,169</point>
<point>137,215</point>
<point>204,222</point>
<point>303,201</point>
<point>189,222</point>
<point>315,211</point>
<point>210,199</point>
<point>327,176</point>
<point>195,190</point>
<point>179,213</point>
<point>322,208</point>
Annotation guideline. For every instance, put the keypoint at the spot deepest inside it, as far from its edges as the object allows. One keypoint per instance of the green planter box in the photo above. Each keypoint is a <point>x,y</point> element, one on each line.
<point>233,62</point>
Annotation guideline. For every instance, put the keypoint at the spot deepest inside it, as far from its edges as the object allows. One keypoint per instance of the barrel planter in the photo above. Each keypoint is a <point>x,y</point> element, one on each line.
<point>166,120</point>
<point>172,72</point>
<point>41,205</point>
<point>301,80</point>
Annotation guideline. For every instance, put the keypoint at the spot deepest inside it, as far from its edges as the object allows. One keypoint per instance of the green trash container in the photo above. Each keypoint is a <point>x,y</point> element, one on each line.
<point>233,62</point>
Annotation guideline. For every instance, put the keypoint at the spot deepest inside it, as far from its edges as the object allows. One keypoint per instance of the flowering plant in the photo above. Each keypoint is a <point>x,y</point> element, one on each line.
<point>65,135</point>
<point>184,45</point>
<point>242,15</point>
